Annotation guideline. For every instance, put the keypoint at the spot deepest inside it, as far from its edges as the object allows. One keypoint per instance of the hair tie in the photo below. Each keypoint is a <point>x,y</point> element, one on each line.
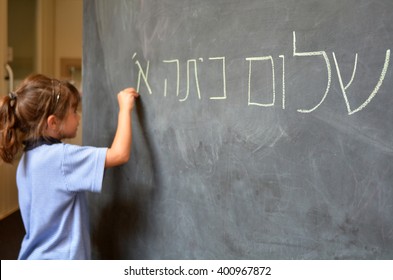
<point>12,97</point>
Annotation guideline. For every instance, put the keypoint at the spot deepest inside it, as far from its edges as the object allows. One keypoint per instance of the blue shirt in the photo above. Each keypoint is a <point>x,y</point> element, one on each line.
<point>52,183</point>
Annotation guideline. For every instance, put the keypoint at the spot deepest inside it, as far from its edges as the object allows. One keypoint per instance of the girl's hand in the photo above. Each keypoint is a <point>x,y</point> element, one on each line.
<point>126,99</point>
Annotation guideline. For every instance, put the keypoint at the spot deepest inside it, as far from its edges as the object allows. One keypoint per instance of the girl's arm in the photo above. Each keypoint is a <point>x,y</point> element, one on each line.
<point>119,152</point>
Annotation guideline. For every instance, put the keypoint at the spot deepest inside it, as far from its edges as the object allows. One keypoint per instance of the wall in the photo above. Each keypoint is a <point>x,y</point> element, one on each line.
<point>68,31</point>
<point>68,41</point>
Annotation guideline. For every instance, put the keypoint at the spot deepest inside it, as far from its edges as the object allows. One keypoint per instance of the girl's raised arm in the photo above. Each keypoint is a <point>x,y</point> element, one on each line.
<point>119,152</point>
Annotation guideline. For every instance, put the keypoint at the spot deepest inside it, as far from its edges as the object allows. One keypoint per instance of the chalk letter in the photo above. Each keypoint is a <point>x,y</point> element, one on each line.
<point>373,93</point>
<point>142,74</point>
<point>223,78</point>
<point>329,71</point>
<point>283,80</point>
<point>178,76</point>
<point>188,79</point>
<point>251,59</point>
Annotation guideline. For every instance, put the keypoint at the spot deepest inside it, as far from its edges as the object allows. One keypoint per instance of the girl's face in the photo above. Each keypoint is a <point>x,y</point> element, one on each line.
<point>70,124</point>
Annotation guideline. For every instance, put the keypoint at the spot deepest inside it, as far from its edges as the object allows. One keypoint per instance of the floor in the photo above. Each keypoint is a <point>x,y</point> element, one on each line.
<point>11,235</point>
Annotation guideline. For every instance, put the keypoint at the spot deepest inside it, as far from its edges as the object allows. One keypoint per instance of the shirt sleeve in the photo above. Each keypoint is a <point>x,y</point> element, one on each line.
<point>83,168</point>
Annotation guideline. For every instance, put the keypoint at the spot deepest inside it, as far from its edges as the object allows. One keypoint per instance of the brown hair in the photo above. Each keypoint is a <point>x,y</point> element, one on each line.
<point>24,113</point>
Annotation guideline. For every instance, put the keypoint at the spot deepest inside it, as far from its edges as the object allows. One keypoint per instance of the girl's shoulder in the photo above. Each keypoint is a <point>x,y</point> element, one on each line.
<point>83,153</point>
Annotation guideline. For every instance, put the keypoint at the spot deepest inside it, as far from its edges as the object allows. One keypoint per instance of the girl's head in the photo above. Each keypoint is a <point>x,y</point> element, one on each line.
<point>38,108</point>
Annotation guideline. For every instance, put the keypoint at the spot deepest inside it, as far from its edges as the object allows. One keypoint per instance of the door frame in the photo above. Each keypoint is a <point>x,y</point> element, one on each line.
<point>45,24</point>
<point>3,44</point>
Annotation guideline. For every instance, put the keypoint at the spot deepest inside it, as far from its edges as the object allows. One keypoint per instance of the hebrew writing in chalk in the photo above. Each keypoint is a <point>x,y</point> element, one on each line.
<point>192,77</point>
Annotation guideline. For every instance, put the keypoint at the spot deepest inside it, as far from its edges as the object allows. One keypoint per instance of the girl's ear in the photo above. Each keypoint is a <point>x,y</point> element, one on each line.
<point>52,123</point>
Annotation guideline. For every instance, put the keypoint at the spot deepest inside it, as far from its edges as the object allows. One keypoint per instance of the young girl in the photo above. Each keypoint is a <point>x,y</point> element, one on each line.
<point>53,177</point>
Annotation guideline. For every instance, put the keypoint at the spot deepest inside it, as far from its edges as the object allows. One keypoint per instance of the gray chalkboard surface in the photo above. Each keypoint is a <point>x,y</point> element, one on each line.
<point>264,129</point>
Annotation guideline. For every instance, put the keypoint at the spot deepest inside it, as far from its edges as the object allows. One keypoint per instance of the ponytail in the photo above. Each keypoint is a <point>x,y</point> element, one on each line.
<point>9,140</point>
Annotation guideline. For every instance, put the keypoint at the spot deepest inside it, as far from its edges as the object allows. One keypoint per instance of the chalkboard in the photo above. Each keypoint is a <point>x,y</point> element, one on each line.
<point>264,128</point>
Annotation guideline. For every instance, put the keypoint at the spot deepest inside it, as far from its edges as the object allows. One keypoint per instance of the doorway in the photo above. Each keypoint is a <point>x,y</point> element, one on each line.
<point>19,56</point>
<point>36,36</point>
<point>18,53</point>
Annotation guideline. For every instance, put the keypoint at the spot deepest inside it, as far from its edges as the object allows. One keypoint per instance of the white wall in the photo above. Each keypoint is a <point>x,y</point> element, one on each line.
<point>68,31</point>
